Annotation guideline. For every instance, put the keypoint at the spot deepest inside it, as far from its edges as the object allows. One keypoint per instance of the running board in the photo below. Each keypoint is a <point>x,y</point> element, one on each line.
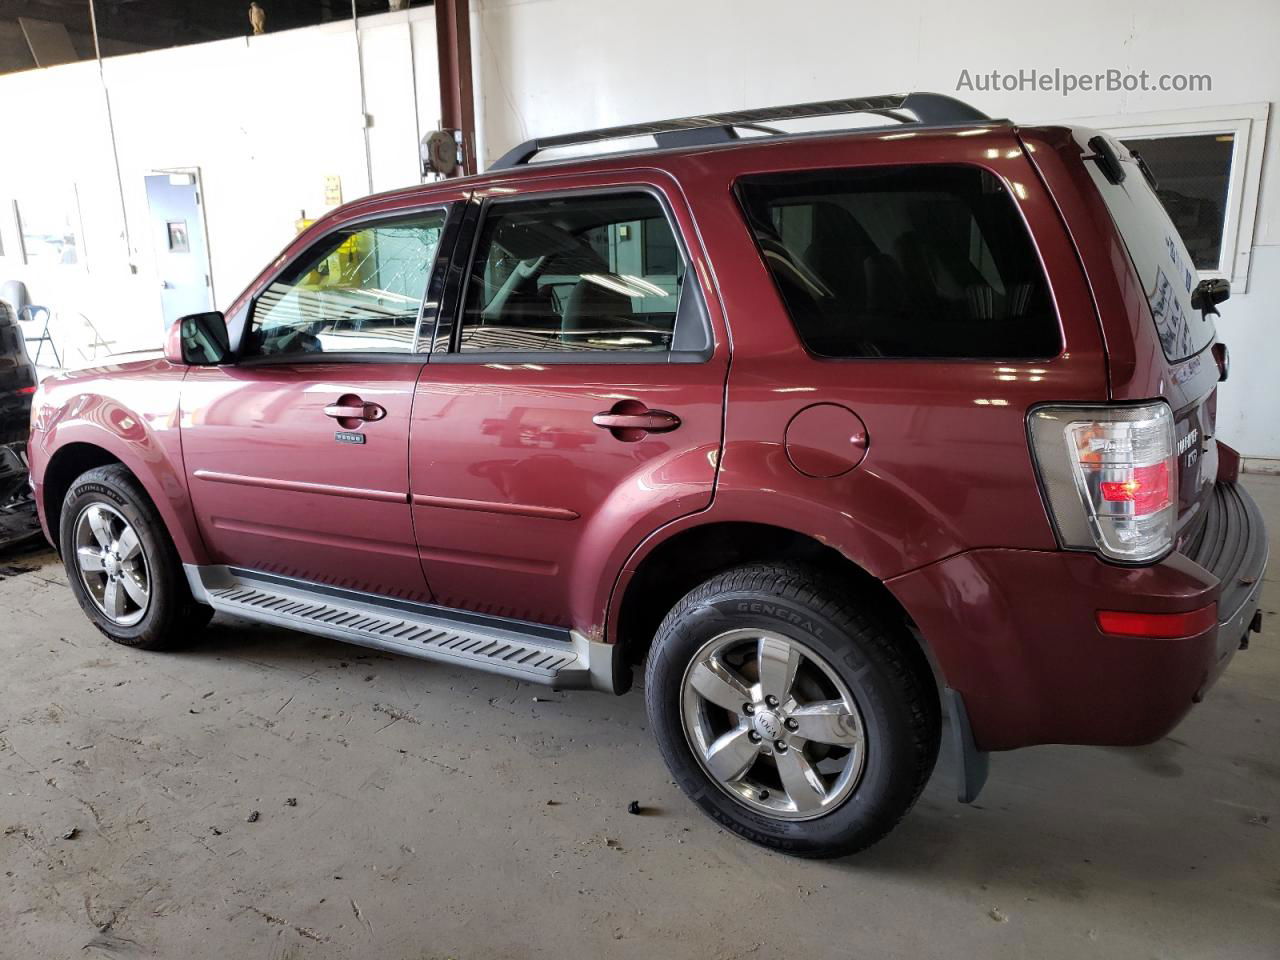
<point>534,653</point>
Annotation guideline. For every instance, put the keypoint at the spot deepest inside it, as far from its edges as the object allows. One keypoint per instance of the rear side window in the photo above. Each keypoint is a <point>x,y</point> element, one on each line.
<point>928,261</point>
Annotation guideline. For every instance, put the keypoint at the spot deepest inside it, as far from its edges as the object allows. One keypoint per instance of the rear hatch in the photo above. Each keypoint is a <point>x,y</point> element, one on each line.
<point>1186,337</point>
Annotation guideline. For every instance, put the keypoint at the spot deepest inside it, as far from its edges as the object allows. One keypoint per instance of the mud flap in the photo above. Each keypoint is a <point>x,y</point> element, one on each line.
<point>972,764</point>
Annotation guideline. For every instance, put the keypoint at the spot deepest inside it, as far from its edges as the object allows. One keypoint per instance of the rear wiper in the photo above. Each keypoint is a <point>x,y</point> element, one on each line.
<point>1146,170</point>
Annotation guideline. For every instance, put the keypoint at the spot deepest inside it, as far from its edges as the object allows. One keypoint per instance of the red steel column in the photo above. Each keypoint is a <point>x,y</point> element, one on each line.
<point>453,50</point>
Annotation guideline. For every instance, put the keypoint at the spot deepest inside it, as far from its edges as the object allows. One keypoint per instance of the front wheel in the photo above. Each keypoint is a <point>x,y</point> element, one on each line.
<point>122,565</point>
<point>789,713</point>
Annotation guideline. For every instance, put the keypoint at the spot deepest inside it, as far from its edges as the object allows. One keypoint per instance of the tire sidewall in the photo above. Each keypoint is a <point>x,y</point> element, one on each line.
<point>884,785</point>
<point>98,486</point>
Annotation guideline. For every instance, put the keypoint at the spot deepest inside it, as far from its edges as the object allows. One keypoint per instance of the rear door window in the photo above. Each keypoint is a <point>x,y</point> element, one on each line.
<point>926,261</point>
<point>574,274</point>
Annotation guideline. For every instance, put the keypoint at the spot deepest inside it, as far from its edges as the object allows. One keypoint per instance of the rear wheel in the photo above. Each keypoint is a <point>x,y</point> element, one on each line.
<point>789,713</point>
<point>122,565</point>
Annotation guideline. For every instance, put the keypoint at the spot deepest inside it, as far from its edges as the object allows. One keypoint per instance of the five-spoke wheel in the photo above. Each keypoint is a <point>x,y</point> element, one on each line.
<point>773,723</point>
<point>112,564</point>
<point>792,708</point>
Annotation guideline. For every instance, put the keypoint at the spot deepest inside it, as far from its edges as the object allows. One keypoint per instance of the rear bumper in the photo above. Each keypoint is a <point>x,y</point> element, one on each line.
<point>1233,547</point>
<point>1015,632</point>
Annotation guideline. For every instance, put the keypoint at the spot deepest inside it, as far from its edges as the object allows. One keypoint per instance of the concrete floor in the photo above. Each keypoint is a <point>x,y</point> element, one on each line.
<point>408,811</point>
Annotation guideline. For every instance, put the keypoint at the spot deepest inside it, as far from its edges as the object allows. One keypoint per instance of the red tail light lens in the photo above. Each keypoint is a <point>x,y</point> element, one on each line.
<point>26,391</point>
<point>1147,489</point>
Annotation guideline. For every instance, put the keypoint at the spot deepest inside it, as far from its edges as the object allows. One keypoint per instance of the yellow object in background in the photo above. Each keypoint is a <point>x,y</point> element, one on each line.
<point>341,268</point>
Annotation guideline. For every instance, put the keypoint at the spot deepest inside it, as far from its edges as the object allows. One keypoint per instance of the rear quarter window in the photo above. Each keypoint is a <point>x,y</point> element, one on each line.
<point>925,261</point>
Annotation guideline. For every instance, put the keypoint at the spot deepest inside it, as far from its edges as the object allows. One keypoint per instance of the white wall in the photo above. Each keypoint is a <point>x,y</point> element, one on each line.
<point>267,118</point>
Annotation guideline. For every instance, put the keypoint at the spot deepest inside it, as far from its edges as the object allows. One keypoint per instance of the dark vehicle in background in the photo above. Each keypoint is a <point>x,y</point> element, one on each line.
<point>830,434</point>
<point>17,380</point>
<point>18,520</point>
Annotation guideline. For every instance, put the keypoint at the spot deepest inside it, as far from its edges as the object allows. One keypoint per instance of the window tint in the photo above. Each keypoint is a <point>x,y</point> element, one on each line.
<point>903,262</point>
<point>573,274</point>
<point>360,292</point>
<point>1193,174</point>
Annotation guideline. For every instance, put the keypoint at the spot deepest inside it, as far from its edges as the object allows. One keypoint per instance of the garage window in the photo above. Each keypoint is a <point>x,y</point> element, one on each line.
<point>1207,164</point>
<point>1193,177</point>
<point>928,261</point>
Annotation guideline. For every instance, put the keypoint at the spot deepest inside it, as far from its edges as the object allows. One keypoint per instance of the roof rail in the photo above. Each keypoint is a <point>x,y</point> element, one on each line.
<point>929,108</point>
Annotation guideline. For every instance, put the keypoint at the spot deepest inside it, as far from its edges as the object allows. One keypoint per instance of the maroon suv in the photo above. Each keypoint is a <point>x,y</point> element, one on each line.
<point>828,431</point>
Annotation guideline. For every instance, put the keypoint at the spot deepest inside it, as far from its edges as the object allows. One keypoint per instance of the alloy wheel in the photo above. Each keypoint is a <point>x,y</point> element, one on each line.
<point>773,724</point>
<point>112,564</point>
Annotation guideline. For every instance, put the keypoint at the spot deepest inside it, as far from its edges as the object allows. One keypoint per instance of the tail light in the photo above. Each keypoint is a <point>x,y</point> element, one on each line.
<point>1110,477</point>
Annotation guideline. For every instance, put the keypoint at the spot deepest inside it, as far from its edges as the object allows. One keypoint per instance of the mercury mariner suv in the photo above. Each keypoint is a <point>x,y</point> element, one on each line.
<point>828,434</point>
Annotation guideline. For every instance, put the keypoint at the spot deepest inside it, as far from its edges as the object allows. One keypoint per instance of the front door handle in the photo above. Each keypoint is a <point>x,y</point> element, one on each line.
<point>630,420</point>
<point>352,408</point>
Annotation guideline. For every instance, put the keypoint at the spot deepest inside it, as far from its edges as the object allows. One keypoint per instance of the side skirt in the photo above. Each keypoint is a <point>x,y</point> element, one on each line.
<point>532,652</point>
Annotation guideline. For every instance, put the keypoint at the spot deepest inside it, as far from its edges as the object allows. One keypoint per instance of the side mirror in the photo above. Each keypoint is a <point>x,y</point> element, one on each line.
<point>199,339</point>
<point>1208,294</point>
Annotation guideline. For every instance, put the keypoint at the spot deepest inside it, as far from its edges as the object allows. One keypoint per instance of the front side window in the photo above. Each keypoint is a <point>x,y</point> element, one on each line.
<point>573,274</point>
<point>359,292</point>
<point>926,261</point>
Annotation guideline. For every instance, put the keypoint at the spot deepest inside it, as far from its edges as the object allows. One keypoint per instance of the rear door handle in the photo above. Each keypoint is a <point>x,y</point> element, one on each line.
<point>353,408</point>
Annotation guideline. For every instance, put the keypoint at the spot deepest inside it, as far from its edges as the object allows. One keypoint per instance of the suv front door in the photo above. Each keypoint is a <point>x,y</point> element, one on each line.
<point>573,405</point>
<point>297,454</point>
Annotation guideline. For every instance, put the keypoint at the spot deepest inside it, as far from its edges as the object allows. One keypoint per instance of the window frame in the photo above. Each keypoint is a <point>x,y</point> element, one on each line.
<point>448,237</point>
<point>1248,123</point>
<point>692,306</point>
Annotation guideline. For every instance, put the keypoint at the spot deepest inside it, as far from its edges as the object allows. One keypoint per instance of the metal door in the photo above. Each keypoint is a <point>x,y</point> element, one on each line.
<point>182,253</point>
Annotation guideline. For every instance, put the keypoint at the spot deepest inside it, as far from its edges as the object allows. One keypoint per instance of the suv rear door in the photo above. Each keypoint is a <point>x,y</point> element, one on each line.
<point>573,405</point>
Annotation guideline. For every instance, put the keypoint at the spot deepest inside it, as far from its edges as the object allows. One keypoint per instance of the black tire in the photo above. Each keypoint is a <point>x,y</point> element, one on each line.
<point>172,615</point>
<point>880,665</point>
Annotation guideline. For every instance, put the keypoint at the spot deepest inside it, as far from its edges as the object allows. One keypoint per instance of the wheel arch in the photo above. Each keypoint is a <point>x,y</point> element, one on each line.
<point>168,495</point>
<point>664,570</point>
<point>67,463</point>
